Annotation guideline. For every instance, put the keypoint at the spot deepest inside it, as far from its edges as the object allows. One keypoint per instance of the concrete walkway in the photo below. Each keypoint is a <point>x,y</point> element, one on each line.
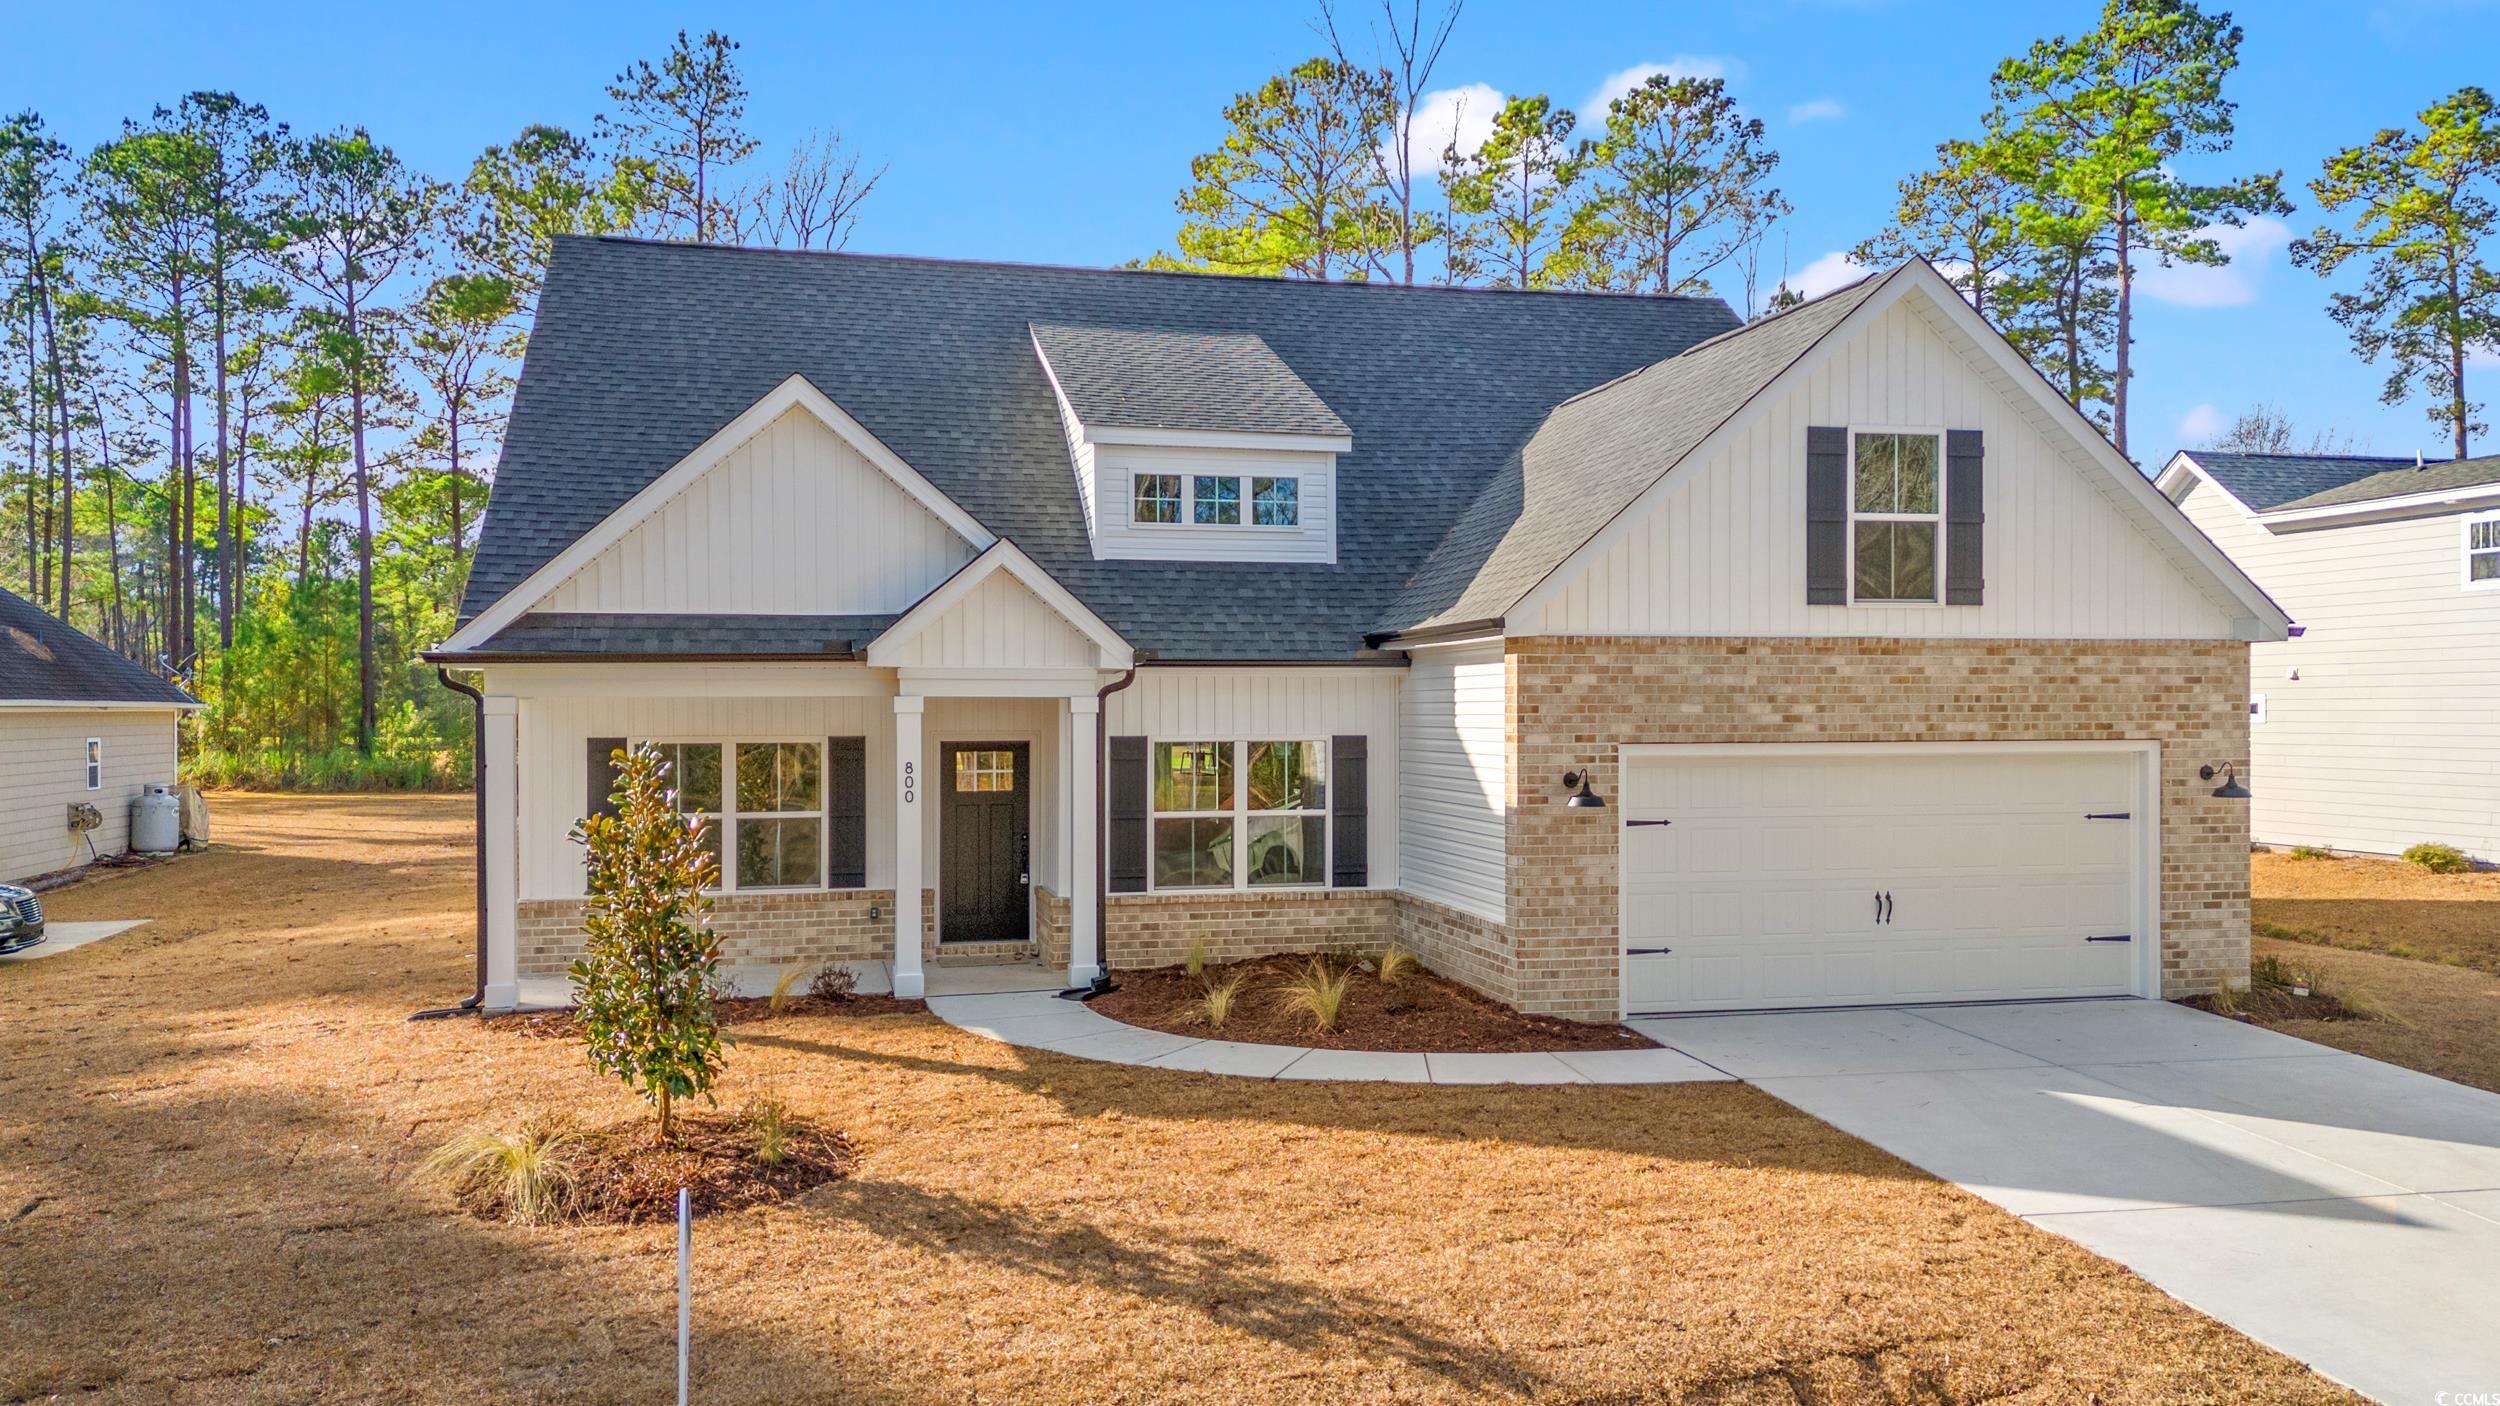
<point>1035,1018</point>
<point>2344,1211</point>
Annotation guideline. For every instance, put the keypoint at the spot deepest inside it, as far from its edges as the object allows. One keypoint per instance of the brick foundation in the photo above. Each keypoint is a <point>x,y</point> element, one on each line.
<point>1574,700</point>
<point>1050,927</point>
<point>1156,929</point>
<point>756,929</point>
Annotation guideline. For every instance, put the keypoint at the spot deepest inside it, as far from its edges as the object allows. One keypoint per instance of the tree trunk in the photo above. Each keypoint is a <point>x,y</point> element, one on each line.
<point>225,528</point>
<point>365,709</point>
<point>112,525</point>
<point>2121,370</point>
<point>2456,357</point>
<point>60,415</point>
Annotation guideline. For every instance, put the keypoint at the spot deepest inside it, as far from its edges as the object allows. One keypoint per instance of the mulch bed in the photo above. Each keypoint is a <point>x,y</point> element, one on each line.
<point>631,1177</point>
<point>1420,1014</point>
<point>737,1010</point>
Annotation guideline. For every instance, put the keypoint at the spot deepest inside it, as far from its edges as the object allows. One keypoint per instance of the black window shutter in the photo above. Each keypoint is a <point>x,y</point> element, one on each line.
<point>603,752</point>
<point>1124,849</point>
<point>846,812</point>
<point>1965,513</point>
<point>1827,515</point>
<point>1349,804</point>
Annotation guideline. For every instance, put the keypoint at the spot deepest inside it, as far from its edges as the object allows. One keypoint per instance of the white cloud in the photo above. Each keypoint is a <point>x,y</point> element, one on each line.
<point>2251,248</point>
<point>2200,426</point>
<point>1463,114</point>
<point>1625,80</point>
<point>1834,270</point>
<point>1816,110</point>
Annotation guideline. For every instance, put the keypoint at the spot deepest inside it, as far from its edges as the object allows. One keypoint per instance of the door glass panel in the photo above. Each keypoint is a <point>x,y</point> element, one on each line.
<point>985,770</point>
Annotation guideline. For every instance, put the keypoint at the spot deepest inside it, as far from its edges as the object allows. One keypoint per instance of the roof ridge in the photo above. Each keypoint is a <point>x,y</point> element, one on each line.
<point>1033,265</point>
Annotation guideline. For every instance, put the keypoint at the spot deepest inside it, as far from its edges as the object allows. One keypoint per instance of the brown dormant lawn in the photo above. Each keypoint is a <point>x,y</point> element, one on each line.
<point>207,1129</point>
<point>2378,905</point>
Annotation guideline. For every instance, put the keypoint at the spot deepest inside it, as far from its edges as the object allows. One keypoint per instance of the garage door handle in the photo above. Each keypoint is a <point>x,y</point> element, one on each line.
<point>2115,937</point>
<point>1647,951</point>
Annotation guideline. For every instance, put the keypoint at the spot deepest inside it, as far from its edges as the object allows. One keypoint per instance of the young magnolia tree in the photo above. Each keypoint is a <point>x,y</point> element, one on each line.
<point>644,978</point>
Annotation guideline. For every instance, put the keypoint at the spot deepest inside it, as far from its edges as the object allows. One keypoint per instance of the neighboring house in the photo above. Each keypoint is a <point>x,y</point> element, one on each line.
<point>2376,726</point>
<point>78,724</point>
<point>1319,591</point>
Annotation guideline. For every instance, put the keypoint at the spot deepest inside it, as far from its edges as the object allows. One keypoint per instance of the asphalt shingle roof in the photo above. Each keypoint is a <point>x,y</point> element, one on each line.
<point>43,660</point>
<point>1145,379</point>
<point>1595,454</point>
<point>2395,483</point>
<point>552,632</point>
<point>643,350</point>
<point>2268,481</point>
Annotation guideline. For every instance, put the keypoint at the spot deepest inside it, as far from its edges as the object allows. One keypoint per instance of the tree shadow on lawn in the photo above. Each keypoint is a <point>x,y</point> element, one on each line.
<point>2457,932</point>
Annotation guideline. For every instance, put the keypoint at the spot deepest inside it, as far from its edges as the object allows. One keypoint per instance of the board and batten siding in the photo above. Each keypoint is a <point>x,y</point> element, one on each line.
<point>1722,552</point>
<point>1453,778</point>
<point>794,521</point>
<point>1315,704</point>
<point>2390,736</point>
<point>43,771</point>
<point>1117,536</point>
<point>1001,624</point>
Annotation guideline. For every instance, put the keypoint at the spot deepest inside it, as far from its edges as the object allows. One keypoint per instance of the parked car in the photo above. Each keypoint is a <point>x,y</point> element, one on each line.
<point>21,919</point>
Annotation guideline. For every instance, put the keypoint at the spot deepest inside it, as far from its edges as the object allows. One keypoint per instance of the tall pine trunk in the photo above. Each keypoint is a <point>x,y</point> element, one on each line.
<point>225,522</point>
<point>112,526</point>
<point>2122,371</point>
<point>365,709</point>
<point>2457,406</point>
<point>66,469</point>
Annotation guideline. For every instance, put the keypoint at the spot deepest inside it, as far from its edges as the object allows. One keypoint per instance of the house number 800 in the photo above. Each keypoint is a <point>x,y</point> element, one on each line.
<point>909,778</point>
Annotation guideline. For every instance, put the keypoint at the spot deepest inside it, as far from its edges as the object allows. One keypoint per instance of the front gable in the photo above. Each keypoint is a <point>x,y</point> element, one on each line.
<point>2070,549</point>
<point>793,508</point>
<point>1000,613</point>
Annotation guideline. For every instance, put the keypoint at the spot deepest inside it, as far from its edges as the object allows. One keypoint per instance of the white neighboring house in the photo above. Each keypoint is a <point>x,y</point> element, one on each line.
<point>1611,655</point>
<point>78,724</point>
<point>2376,724</point>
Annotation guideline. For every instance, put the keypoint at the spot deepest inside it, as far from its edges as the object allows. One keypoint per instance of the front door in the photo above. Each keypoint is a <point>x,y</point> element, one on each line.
<point>985,827</point>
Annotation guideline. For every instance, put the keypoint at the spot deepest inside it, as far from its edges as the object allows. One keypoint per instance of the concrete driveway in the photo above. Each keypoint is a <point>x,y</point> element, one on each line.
<point>2344,1211</point>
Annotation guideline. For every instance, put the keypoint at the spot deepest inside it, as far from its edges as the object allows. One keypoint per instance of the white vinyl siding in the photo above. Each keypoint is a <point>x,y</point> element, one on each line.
<point>1117,535</point>
<point>1453,779</point>
<point>1723,550</point>
<point>1182,705</point>
<point>792,522</point>
<point>2390,734</point>
<point>43,771</point>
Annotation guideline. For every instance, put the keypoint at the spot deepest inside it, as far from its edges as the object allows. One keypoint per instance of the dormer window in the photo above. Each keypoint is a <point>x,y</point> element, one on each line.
<point>1194,446</point>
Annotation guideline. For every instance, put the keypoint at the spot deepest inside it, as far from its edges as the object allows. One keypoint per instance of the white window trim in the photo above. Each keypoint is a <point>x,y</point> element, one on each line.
<point>2466,551</point>
<point>1189,501</point>
<point>95,763</point>
<point>1240,814</point>
<point>1850,488</point>
<point>725,820</point>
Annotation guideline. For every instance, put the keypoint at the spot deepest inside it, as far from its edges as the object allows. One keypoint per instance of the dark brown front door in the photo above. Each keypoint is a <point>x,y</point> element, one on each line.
<point>985,826</point>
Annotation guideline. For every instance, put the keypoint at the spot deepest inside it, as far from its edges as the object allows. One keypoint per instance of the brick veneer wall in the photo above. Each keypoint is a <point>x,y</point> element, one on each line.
<point>1461,946</point>
<point>1575,699</point>
<point>756,929</point>
<point>1156,929</point>
<point>1050,927</point>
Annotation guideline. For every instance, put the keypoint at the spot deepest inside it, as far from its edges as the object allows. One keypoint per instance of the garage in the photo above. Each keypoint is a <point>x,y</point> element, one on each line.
<point>1801,875</point>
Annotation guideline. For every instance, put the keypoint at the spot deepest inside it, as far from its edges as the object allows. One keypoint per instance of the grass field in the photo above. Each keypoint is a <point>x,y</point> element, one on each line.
<point>208,1126</point>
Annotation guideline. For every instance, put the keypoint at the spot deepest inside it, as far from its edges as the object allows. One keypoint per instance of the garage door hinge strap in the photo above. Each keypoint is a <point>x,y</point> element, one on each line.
<point>2110,815</point>
<point>2117,937</point>
<point>1636,824</point>
<point>1647,951</point>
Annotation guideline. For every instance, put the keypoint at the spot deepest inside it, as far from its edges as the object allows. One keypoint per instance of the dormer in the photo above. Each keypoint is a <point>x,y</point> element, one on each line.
<point>1194,446</point>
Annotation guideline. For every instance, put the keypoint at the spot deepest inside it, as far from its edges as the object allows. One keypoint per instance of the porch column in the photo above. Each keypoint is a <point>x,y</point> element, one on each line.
<point>502,744</point>
<point>908,982</point>
<point>1084,838</point>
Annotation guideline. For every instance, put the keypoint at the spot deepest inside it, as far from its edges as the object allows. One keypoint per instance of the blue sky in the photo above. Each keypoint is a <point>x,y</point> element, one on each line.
<point>1059,134</point>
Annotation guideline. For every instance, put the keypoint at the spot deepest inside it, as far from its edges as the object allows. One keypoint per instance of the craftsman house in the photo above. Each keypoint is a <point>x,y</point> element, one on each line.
<point>1610,654</point>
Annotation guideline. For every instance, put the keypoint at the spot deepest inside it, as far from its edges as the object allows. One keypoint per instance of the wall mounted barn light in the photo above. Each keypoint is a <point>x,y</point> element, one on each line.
<point>2230,789</point>
<point>1587,799</point>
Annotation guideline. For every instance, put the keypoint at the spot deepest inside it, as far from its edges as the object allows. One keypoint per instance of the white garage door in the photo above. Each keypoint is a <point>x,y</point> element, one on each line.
<point>1809,877</point>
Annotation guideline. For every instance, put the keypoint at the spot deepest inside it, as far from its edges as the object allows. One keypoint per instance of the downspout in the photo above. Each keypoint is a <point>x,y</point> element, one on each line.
<point>1102,984</point>
<point>477,786</point>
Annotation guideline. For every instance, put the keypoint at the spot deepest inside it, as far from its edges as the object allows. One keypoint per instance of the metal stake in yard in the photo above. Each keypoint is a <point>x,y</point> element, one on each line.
<point>685,1284</point>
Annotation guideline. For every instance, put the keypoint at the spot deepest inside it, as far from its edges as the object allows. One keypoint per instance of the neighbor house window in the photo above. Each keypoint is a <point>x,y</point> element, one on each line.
<point>1158,498</point>
<point>2482,552</point>
<point>763,804</point>
<point>1896,515</point>
<point>95,763</point>
<point>1216,500</point>
<point>1239,814</point>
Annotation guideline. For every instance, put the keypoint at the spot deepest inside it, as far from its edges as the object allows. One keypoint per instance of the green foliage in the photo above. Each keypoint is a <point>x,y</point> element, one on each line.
<point>770,1126</point>
<point>2424,205</point>
<point>1195,962</point>
<point>2311,852</point>
<point>544,183</point>
<point>681,127</point>
<point>1681,186</point>
<point>2438,858</point>
<point>648,956</point>
<point>1297,185</point>
<point>1508,197</point>
<point>530,1174</point>
<point>1319,992</point>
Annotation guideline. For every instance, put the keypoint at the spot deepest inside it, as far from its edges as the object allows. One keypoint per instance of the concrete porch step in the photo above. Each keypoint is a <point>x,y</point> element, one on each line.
<point>986,954</point>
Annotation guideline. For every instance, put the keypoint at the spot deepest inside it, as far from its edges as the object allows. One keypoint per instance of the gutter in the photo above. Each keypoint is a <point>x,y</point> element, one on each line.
<point>1459,630</point>
<point>477,785</point>
<point>461,659</point>
<point>1102,984</point>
